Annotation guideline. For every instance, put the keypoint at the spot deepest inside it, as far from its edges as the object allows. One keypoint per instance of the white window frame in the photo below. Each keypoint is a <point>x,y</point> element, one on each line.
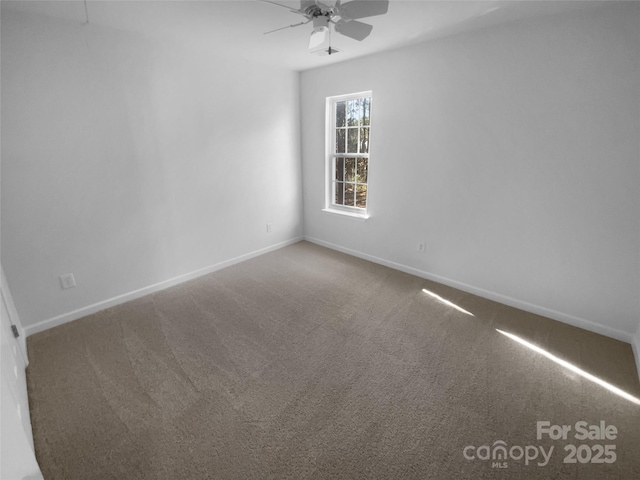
<point>330,158</point>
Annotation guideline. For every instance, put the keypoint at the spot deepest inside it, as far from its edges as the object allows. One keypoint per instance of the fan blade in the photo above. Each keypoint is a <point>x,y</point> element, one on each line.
<point>364,8</point>
<point>288,26</point>
<point>353,29</point>
<point>329,4</point>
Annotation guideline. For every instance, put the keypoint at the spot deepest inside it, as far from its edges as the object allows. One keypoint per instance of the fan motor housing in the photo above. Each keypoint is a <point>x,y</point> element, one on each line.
<point>310,8</point>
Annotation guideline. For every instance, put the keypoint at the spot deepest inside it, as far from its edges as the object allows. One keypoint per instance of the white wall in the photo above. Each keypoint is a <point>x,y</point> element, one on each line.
<point>128,163</point>
<point>512,152</point>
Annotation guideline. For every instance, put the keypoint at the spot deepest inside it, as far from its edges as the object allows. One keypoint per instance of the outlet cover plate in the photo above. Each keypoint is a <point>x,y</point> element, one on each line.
<point>67,281</point>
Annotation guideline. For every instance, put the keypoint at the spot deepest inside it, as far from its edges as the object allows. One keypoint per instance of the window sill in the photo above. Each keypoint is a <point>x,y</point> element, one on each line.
<point>341,213</point>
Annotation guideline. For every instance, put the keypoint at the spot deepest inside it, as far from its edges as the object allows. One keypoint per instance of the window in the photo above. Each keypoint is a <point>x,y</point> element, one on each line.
<point>349,125</point>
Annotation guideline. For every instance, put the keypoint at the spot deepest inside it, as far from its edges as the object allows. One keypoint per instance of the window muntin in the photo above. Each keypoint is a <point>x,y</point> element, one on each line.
<point>349,131</point>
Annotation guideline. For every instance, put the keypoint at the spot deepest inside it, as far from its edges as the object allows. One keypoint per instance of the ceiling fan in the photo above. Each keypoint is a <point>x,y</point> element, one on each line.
<point>344,17</point>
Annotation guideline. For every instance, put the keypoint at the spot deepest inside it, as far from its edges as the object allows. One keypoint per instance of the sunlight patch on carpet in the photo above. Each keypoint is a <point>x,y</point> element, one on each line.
<point>446,302</point>
<point>572,367</point>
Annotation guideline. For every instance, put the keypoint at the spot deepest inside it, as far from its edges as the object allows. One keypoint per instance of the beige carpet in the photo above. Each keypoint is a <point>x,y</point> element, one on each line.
<point>309,364</point>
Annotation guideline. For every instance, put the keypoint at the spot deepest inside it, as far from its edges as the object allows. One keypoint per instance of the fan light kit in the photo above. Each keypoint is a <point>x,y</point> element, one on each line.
<point>343,16</point>
<point>320,38</point>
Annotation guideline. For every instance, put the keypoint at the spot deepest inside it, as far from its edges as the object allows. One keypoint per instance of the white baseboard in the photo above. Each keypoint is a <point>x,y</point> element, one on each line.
<point>96,307</point>
<point>497,297</point>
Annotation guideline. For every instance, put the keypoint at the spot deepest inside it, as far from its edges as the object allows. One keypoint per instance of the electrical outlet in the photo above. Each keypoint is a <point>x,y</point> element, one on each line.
<point>67,281</point>
<point>269,228</point>
<point>421,247</point>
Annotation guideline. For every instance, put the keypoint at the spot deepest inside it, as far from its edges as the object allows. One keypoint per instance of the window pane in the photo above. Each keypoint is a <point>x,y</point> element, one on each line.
<point>340,169</point>
<point>366,111</point>
<point>340,140</point>
<point>349,194</point>
<point>362,170</point>
<point>340,114</point>
<point>339,198</point>
<point>354,112</point>
<point>350,169</point>
<point>364,140</point>
<point>352,140</point>
<point>361,196</point>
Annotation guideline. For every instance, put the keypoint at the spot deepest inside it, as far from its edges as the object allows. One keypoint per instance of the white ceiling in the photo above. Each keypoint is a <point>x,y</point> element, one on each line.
<point>236,27</point>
